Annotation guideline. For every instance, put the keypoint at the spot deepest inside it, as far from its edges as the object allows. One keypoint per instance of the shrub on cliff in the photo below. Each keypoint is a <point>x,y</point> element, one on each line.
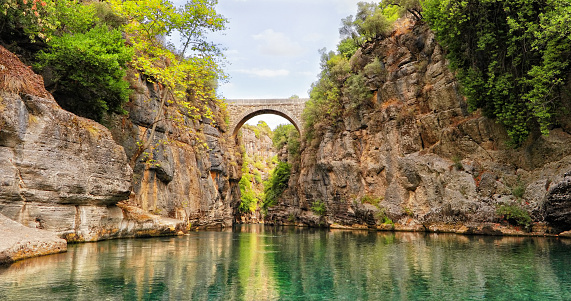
<point>511,57</point>
<point>287,134</point>
<point>87,70</point>
<point>276,184</point>
<point>80,55</point>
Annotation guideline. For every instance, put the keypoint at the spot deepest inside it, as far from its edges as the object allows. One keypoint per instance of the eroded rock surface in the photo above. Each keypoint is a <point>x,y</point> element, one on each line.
<point>415,156</point>
<point>20,242</point>
<point>67,175</point>
<point>191,171</point>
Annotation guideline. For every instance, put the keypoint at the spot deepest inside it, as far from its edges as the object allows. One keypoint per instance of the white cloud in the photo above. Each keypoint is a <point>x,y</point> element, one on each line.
<point>277,44</point>
<point>307,73</point>
<point>264,72</point>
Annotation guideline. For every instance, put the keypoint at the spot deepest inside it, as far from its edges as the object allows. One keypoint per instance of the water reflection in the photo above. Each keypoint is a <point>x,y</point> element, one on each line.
<point>257,263</point>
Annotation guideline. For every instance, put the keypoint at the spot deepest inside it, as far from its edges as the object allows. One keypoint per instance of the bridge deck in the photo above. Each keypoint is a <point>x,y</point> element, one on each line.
<point>274,101</point>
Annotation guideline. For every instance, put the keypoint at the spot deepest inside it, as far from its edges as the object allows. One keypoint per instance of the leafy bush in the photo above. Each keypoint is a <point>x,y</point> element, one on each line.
<point>515,215</point>
<point>287,134</point>
<point>370,200</point>
<point>369,24</point>
<point>511,57</point>
<point>383,217</point>
<point>87,71</point>
<point>318,207</point>
<point>357,91</point>
<point>249,202</point>
<point>276,184</point>
<point>374,68</point>
<point>519,189</point>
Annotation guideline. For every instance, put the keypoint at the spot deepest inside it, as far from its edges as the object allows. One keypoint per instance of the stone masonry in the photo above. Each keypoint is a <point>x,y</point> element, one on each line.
<point>241,110</point>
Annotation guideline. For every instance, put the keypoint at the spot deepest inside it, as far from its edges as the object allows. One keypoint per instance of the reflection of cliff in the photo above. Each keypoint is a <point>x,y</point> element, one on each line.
<point>298,264</point>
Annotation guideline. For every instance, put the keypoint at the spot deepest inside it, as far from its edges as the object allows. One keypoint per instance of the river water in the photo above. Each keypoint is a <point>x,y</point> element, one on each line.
<point>254,262</point>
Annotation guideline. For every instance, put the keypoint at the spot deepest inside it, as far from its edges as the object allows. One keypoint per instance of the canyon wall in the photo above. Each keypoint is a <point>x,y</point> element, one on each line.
<point>192,169</point>
<point>257,165</point>
<point>414,158</point>
<point>68,174</point>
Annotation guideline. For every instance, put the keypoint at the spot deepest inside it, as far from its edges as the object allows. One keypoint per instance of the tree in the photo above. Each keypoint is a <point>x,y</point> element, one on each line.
<point>511,57</point>
<point>87,71</point>
<point>368,24</point>
<point>74,49</point>
<point>414,7</point>
<point>186,78</point>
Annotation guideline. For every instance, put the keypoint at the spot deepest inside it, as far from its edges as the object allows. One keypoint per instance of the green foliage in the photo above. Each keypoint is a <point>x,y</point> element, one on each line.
<point>369,24</point>
<point>264,127</point>
<point>511,57</point>
<point>87,71</point>
<point>515,215</point>
<point>249,201</point>
<point>347,47</point>
<point>370,200</point>
<point>22,18</point>
<point>81,56</point>
<point>324,104</point>
<point>413,7</point>
<point>287,134</point>
<point>318,207</point>
<point>519,189</point>
<point>357,91</point>
<point>383,217</point>
<point>276,184</point>
<point>457,162</point>
<point>374,68</point>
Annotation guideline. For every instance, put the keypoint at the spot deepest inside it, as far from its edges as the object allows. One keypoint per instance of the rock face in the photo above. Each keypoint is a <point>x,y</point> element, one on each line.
<point>257,166</point>
<point>66,174</point>
<point>58,172</point>
<point>191,171</point>
<point>257,145</point>
<point>19,242</point>
<point>416,157</point>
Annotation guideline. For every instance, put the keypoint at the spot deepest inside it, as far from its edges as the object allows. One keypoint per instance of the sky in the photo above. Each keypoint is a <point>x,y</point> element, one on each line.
<point>272,46</point>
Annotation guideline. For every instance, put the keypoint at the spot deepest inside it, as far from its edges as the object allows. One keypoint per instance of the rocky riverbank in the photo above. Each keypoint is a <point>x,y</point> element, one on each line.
<point>19,242</point>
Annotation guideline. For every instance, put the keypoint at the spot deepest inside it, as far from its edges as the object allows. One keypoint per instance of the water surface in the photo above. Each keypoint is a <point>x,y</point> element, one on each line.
<point>265,263</point>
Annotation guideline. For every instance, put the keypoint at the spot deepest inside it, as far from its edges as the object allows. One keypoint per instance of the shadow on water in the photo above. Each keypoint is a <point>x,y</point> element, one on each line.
<point>255,262</point>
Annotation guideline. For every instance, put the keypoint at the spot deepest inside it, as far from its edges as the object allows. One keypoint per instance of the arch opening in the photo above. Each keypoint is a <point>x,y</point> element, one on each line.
<point>250,114</point>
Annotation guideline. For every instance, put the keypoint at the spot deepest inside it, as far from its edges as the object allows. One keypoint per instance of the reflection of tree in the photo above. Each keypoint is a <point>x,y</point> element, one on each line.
<point>302,264</point>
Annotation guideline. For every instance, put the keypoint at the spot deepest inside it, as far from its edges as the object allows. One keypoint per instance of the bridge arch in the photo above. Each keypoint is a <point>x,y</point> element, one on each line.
<point>255,112</point>
<point>241,110</point>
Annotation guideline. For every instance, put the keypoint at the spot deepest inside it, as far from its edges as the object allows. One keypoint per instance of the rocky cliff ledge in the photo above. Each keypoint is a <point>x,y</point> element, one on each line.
<point>191,170</point>
<point>68,175</point>
<point>414,158</point>
<point>19,242</point>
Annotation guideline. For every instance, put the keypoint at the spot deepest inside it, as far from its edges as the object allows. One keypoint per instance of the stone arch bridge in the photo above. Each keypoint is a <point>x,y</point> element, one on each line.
<point>241,110</point>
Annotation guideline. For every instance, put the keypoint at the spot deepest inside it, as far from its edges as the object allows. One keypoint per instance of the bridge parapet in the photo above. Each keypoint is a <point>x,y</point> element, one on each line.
<point>240,110</point>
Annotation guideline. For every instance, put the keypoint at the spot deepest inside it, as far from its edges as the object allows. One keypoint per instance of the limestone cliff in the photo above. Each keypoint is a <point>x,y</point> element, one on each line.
<point>257,143</point>
<point>67,174</point>
<point>415,156</point>
<point>257,165</point>
<point>58,172</point>
<point>191,171</point>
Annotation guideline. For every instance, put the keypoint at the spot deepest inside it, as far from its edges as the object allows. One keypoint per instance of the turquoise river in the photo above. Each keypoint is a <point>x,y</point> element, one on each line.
<point>266,263</point>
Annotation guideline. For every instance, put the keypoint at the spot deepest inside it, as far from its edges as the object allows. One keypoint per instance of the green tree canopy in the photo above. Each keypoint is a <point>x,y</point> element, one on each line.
<point>512,57</point>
